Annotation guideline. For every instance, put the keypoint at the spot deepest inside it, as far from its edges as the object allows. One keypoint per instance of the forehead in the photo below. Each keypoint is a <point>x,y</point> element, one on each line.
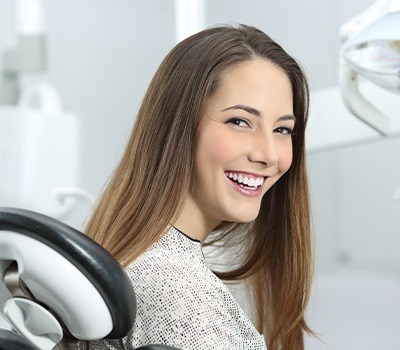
<point>258,83</point>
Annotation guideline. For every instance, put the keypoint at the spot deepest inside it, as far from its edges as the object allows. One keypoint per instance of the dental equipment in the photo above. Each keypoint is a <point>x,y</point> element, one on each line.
<point>39,141</point>
<point>39,153</point>
<point>371,49</point>
<point>30,56</point>
<point>63,288</point>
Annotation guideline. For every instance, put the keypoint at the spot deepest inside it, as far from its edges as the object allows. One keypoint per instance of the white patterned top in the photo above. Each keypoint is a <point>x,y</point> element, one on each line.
<point>182,303</point>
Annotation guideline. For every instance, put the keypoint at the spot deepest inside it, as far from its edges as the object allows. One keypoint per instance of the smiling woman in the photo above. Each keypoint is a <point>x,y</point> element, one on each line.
<point>216,155</point>
<point>250,141</point>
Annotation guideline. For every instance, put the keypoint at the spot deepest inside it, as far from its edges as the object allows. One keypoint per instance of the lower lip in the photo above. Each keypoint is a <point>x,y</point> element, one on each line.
<point>245,191</point>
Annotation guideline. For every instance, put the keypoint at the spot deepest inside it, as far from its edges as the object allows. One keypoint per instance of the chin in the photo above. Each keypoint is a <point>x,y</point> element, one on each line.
<point>244,217</point>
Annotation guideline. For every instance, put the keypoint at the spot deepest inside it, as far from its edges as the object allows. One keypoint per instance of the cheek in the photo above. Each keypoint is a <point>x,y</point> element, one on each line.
<point>285,159</point>
<point>215,148</point>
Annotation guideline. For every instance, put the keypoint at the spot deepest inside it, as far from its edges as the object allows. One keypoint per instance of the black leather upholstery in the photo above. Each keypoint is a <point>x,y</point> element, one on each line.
<point>95,262</point>
<point>12,341</point>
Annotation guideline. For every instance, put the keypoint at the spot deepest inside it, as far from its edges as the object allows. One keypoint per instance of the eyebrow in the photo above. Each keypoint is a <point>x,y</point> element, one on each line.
<point>257,113</point>
<point>287,117</point>
<point>246,108</point>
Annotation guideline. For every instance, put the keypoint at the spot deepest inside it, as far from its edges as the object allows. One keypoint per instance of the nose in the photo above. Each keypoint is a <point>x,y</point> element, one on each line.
<point>264,150</point>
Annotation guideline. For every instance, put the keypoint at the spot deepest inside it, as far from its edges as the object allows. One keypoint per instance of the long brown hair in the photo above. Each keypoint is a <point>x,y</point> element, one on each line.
<point>147,189</point>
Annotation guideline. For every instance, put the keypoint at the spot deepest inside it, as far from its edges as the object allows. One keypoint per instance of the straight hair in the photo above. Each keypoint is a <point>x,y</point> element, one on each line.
<point>146,192</point>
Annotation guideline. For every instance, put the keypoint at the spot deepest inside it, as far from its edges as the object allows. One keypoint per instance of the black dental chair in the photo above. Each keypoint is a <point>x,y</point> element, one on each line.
<point>63,288</point>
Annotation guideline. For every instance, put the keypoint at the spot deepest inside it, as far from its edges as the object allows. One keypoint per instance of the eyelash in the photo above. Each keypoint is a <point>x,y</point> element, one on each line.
<point>281,130</point>
<point>237,121</point>
<point>285,131</point>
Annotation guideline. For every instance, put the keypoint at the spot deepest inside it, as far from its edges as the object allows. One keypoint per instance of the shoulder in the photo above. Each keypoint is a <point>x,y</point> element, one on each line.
<point>173,261</point>
<point>163,271</point>
<point>185,304</point>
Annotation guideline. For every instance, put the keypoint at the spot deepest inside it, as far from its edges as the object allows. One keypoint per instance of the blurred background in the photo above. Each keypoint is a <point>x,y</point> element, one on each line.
<point>99,58</point>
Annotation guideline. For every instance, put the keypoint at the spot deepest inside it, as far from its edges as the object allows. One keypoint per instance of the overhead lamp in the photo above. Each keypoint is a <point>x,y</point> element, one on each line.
<point>371,49</point>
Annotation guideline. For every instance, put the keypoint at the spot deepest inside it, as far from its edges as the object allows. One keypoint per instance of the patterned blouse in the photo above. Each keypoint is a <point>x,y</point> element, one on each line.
<point>182,303</point>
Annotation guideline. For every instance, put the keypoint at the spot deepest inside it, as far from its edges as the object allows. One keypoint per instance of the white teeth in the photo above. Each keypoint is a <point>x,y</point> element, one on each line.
<point>248,181</point>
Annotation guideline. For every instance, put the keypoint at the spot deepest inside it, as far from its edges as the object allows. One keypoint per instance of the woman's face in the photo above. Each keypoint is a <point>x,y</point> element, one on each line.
<point>243,145</point>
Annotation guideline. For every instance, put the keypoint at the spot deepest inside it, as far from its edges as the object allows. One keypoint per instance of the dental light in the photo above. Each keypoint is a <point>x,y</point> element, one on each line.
<point>371,49</point>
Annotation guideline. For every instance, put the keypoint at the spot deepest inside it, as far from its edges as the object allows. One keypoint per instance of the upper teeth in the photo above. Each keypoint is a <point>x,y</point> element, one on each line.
<point>246,180</point>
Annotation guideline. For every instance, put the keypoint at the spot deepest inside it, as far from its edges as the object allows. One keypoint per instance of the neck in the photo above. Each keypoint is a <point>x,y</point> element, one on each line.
<point>194,223</point>
<point>191,231</point>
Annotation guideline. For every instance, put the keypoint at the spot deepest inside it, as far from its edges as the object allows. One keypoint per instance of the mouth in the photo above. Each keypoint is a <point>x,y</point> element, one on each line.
<point>245,181</point>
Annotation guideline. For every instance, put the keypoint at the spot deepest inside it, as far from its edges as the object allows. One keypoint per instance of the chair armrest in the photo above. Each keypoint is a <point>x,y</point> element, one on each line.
<point>94,262</point>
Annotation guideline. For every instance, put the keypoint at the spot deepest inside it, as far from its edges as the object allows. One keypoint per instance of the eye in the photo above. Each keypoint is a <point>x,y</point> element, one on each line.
<point>241,123</point>
<point>284,130</point>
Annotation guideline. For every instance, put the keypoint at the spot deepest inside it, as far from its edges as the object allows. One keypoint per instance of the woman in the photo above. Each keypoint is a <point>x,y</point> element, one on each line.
<point>216,153</point>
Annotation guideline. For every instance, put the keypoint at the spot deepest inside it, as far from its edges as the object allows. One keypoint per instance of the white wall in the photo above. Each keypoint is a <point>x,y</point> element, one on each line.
<point>356,295</point>
<point>102,56</point>
<point>355,213</point>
